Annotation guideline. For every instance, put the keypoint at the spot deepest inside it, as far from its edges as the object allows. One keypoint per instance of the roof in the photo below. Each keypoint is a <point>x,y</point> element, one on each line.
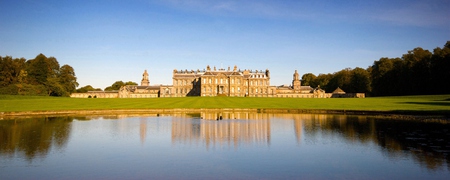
<point>114,91</point>
<point>338,91</point>
<point>306,88</point>
<point>147,87</point>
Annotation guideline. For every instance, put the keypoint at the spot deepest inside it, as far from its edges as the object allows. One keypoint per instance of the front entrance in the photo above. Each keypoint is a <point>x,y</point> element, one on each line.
<point>221,91</point>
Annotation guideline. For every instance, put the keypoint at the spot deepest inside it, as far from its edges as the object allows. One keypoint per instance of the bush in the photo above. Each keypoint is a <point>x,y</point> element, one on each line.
<point>24,89</point>
<point>11,89</point>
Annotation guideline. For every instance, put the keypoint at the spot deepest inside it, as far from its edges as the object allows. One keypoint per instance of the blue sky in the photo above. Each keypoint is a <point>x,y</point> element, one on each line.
<point>110,40</point>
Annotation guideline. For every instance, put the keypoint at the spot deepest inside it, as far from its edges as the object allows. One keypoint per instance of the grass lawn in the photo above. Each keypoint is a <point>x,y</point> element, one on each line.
<point>429,103</point>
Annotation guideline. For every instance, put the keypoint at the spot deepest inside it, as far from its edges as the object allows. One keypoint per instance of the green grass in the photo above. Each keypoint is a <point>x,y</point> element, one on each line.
<point>429,103</point>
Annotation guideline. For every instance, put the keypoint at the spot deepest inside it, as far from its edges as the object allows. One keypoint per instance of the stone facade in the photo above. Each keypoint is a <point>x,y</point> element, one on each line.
<point>221,82</point>
<point>218,82</point>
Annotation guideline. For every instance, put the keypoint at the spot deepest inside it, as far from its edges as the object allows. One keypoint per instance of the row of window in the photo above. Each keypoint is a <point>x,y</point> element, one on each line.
<point>223,81</point>
<point>258,76</point>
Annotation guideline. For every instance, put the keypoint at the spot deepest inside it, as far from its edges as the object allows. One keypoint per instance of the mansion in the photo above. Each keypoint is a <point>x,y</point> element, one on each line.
<point>218,82</point>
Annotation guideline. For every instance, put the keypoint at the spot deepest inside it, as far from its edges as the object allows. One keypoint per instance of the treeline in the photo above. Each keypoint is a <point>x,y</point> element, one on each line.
<point>39,76</point>
<point>114,87</point>
<point>418,72</point>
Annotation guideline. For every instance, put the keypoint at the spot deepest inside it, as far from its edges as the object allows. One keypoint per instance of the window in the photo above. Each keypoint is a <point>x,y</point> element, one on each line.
<point>232,90</point>
<point>216,81</point>
<point>209,81</point>
<point>232,81</point>
<point>221,81</point>
<point>239,89</point>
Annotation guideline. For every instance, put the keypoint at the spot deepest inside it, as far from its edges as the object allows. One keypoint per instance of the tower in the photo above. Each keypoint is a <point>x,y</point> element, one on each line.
<point>145,81</point>
<point>296,81</point>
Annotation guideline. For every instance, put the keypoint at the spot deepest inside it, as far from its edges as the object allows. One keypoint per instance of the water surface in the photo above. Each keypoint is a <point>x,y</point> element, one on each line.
<point>240,146</point>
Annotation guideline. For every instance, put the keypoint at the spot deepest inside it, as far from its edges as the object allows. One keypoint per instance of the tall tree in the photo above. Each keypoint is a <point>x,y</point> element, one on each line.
<point>322,80</point>
<point>38,69</point>
<point>440,68</point>
<point>340,79</point>
<point>359,81</point>
<point>67,78</point>
<point>417,71</point>
<point>309,79</point>
<point>6,71</point>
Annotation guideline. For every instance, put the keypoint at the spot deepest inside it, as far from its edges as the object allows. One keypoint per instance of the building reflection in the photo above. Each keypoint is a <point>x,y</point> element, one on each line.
<point>427,143</point>
<point>223,128</point>
<point>142,129</point>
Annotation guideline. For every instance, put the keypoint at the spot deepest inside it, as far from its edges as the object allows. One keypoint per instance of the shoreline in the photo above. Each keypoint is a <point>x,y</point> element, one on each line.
<point>407,115</point>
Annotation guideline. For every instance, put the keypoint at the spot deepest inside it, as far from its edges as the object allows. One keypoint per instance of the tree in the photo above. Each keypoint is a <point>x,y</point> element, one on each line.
<point>38,69</point>
<point>67,78</point>
<point>53,67</point>
<point>86,89</point>
<point>440,68</point>
<point>322,80</point>
<point>340,79</point>
<point>417,71</point>
<point>54,88</point>
<point>309,79</point>
<point>118,84</point>
<point>131,83</point>
<point>38,76</point>
<point>359,81</point>
<point>6,71</point>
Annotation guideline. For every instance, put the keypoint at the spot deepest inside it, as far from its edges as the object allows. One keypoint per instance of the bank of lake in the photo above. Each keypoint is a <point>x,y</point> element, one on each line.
<point>429,105</point>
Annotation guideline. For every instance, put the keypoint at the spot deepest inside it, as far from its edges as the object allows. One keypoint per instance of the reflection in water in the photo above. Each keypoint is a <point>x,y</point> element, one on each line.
<point>33,137</point>
<point>427,143</point>
<point>230,129</point>
<point>142,129</point>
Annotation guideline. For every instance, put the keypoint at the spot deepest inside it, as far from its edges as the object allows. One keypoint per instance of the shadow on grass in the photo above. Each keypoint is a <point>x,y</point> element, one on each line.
<point>430,103</point>
<point>445,113</point>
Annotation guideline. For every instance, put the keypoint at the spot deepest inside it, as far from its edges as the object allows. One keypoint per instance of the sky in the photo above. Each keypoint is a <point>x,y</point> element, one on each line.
<point>114,40</point>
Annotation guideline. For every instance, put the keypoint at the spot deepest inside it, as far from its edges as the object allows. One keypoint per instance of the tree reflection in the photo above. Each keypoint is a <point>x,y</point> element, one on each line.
<point>33,137</point>
<point>428,143</point>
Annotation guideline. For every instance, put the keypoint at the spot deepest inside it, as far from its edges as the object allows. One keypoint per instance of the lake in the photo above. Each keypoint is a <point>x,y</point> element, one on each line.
<point>223,145</point>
